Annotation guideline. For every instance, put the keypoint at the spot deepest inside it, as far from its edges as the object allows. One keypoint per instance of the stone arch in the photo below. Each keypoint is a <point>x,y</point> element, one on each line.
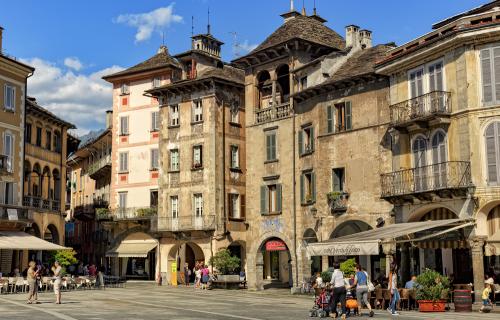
<point>51,234</point>
<point>350,227</point>
<point>238,248</point>
<point>45,185</point>
<point>283,82</point>
<point>34,230</point>
<point>56,184</point>
<point>36,180</point>
<point>419,213</point>
<point>122,236</point>
<point>482,217</point>
<point>264,89</point>
<point>310,236</point>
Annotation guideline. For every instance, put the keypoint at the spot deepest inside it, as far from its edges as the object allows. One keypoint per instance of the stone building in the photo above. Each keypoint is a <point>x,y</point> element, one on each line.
<point>90,168</point>
<point>445,120</point>
<point>202,159</point>
<point>135,164</point>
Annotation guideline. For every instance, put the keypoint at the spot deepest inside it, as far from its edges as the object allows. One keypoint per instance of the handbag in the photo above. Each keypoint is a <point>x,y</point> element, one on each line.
<point>371,287</point>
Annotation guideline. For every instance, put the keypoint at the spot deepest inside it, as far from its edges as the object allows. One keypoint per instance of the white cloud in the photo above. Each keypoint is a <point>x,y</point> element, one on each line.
<point>75,97</point>
<point>148,22</point>
<point>243,48</point>
<point>73,63</point>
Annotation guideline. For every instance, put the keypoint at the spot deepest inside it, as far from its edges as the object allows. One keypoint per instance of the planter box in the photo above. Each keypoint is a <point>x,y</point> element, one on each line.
<point>228,278</point>
<point>431,306</point>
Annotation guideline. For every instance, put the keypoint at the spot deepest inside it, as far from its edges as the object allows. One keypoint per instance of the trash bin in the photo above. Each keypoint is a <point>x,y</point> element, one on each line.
<point>462,300</point>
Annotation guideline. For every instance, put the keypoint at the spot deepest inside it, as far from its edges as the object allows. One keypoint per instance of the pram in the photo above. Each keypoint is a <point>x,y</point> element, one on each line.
<point>321,302</point>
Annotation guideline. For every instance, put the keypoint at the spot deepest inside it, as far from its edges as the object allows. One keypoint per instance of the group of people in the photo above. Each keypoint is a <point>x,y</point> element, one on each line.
<point>33,276</point>
<point>201,275</point>
<point>83,270</point>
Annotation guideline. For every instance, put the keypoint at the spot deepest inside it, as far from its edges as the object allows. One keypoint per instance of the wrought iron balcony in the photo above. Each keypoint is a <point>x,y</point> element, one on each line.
<point>446,179</point>
<point>421,109</point>
<point>14,213</point>
<point>273,113</point>
<point>100,167</point>
<point>42,204</point>
<point>337,201</point>
<point>187,223</point>
<point>136,213</point>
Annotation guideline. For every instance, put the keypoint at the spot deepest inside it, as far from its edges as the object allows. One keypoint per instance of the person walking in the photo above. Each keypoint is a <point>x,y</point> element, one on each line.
<point>56,269</point>
<point>361,283</point>
<point>31,276</point>
<point>197,273</point>
<point>393,289</point>
<point>187,274</point>
<point>205,273</point>
<point>339,291</point>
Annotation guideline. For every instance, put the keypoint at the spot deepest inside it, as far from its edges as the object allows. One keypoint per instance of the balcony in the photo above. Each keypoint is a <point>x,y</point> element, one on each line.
<point>84,212</point>
<point>42,204</point>
<point>337,201</point>
<point>138,213</point>
<point>432,107</point>
<point>188,223</point>
<point>273,113</point>
<point>100,168</point>
<point>446,180</point>
<point>14,213</point>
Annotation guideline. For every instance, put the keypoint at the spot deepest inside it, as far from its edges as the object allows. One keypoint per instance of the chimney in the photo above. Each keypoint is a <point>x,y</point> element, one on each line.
<point>365,38</point>
<point>352,36</point>
<point>1,36</point>
<point>109,119</point>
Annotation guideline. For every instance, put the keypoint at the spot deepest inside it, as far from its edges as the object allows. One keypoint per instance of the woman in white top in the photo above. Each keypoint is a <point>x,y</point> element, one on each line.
<point>339,291</point>
<point>393,288</point>
<point>56,269</point>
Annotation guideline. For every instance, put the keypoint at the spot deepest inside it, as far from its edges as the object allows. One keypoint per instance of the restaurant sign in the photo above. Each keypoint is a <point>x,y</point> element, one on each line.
<point>276,245</point>
<point>343,249</point>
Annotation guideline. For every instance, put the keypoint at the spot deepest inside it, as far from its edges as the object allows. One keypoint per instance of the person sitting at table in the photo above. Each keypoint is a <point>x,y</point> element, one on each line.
<point>411,284</point>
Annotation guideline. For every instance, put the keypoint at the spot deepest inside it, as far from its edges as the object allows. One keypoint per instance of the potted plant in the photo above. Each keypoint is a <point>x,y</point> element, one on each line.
<point>431,287</point>
<point>225,265</point>
<point>348,267</point>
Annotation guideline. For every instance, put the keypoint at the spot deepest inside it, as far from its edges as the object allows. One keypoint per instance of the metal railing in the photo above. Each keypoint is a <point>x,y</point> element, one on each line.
<point>440,176</point>
<point>135,213</point>
<point>187,223</point>
<point>273,113</point>
<point>13,213</point>
<point>42,204</point>
<point>337,201</point>
<point>429,104</point>
<point>99,164</point>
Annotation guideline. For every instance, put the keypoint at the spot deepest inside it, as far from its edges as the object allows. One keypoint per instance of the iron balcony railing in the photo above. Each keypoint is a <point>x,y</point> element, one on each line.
<point>97,165</point>
<point>338,201</point>
<point>13,213</point>
<point>135,213</point>
<point>273,113</point>
<point>187,223</point>
<point>42,204</point>
<point>440,176</point>
<point>435,103</point>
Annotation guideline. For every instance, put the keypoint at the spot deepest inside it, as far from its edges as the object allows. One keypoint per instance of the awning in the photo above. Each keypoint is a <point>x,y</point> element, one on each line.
<point>132,249</point>
<point>368,242</point>
<point>18,240</point>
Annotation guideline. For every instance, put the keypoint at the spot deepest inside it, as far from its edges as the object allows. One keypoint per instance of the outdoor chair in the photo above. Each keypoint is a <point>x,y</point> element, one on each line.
<point>20,284</point>
<point>4,285</point>
<point>12,284</point>
<point>79,283</point>
<point>387,297</point>
<point>46,283</point>
<point>379,298</point>
<point>405,299</point>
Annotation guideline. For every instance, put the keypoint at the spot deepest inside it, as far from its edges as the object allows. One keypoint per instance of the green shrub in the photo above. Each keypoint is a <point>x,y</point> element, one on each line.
<point>65,258</point>
<point>431,285</point>
<point>146,212</point>
<point>348,267</point>
<point>102,213</point>
<point>224,262</point>
<point>326,276</point>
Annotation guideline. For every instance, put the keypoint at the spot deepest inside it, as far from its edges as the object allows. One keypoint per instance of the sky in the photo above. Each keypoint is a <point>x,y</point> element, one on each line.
<point>72,44</point>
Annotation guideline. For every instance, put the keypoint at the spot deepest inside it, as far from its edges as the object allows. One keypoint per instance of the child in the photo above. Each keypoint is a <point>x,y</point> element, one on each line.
<point>486,294</point>
<point>319,281</point>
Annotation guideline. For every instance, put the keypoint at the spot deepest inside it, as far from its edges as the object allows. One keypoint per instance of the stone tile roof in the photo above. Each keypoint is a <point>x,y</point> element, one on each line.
<point>33,107</point>
<point>161,59</point>
<point>305,28</point>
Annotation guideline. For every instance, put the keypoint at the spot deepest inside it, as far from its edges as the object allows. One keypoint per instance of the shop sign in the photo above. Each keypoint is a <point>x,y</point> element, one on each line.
<point>343,249</point>
<point>276,245</point>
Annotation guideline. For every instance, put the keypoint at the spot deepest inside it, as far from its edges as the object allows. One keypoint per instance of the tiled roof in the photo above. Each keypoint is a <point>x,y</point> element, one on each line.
<point>305,28</point>
<point>33,106</point>
<point>159,60</point>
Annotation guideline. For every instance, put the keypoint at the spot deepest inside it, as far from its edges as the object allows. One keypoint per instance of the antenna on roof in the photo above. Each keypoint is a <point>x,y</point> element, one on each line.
<point>163,38</point>
<point>291,6</point>
<point>314,9</point>
<point>303,8</point>
<point>208,24</point>
<point>192,26</point>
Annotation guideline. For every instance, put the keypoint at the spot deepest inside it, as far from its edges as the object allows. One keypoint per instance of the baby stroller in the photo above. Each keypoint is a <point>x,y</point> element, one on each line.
<point>321,302</point>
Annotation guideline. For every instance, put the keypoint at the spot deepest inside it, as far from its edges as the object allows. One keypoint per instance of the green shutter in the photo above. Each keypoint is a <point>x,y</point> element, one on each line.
<point>273,146</point>
<point>313,186</point>
<point>301,144</point>
<point>268,147</point>
<point>302,200</point>
<point>311,139</point>
<point>348,115</point>
<point>329,117</point>
<point>278,197</point>
<point>263,200</point>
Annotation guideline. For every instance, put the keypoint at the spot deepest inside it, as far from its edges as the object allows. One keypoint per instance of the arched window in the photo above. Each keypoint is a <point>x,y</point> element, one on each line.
<point>492,141</point>
<point>419,150</point>
<point>439,159</point>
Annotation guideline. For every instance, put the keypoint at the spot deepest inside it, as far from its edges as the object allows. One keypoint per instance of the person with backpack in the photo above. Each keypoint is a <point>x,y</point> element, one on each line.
<point>339,291</point>
<point>361,283</point>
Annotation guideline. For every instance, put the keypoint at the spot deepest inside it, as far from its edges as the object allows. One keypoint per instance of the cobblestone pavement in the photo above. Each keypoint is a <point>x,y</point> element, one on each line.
<point>146,301</point>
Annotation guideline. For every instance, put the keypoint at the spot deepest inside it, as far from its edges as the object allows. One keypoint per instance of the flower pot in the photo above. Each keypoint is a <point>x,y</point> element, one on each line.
<point>431,306</point>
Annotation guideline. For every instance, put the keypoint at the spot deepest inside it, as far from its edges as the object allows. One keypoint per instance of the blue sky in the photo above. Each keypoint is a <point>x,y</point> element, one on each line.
<point>73,43</point>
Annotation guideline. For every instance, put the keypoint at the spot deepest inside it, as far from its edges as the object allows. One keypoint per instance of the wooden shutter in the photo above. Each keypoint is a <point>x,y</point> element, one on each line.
<point>201,155</point>
<point>492,153</point>
<point>302,193</point>
<point>268,147</point>
<point>263,200</point>
<point>311,138</point>
<point>486,76</point>
<point>313,186</point>
<point>278,197</point>
<point>301,143</point>
<point>329,119</point>
<point>230,205</point>
<point>348,115</point>
<point>2,192</point>
<point>242,207</point>
<point>496,73</point>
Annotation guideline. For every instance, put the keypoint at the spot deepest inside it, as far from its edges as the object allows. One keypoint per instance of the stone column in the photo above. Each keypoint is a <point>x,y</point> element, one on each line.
<point>389,249</point>
<point>324,263</point>
<point>477,247</point>
<point>274,92</point>
<point>405,263</point>
<point>259,272</point>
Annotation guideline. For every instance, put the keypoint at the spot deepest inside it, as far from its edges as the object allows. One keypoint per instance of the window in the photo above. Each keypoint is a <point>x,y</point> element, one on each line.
<point>156,82</point>
<point>124,88</point>
<point>235,114</point>
<point>154,159</point>
<point>303,83</point>
<point>416,83</point>
<point>329,119</point>
<point>153,198</point>
<point>490,70</point>
<point>197,111</point>
<point>123,126</point>
<point>9,97</point>
<point>197,156</point>
<point>174,160</point>
<point>270,199</point>
<point>306,140</point>
<point>338,179</point>
<point>419,150</point>
<point>271,146</point>
<point>492,140</point>
<point>27,133</point>
<point>123,161</point>
<point>155,121</point>
<point>435,72</point>
<point>343,116</point>
<point>122,199</point>
<point>174,207</point>
<point>235,157</point>
<point>7,193</point>
<point>8,151</point>
<point>57,141</point>
<point>236,206</point>
<point>174,115</point>
<point>198,204</point>
<point>38,136</point>
<point>308,187</point>
<point>48,140</point>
